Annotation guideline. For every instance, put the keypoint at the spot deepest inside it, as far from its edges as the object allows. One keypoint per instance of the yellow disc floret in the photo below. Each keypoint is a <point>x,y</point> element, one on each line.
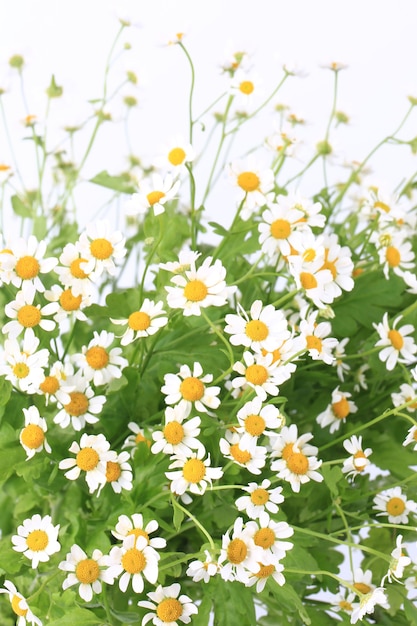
<point>255,425</point>
<point>37,540</point>
<point>308,281</point>
<point>76,270</point>
<point>396,339</point>
<point>192,389</point>
<point>139,320</point>
<point>174,433</point>
<point>68,301</point>
<point>248,181</point>
<point>29,316</point>
<point>169,610</point>
<point>87,571</point>
<point>78,404</point>
<point>154,197</point>
<point>32,436</point>
<point>314,343</point>
<point>87,459</point>
<point>362,588</point>
<point>297,463</point>
<point>101,248</point>
<point>256,330</point>
<point>239,455</point>
<point>97,357</point>
<point>265,571</point>
<point>194,470</point>
<point>195,291</point>
<point>20,370</point>
<point>393,256</point>
<point>49,385</point>
<point>176,156</point>
<point>138,532</point>
<point>395,506</point>
<point>237,551</point>
<point>280,229</point>
<point>256,374</point>
<point>133,561</point>
<point>259,496</point>
<point>264,537</point>
<point>27,267</point>
<point>16,600</point>
<point>113,471</point>
<point>341,408</point>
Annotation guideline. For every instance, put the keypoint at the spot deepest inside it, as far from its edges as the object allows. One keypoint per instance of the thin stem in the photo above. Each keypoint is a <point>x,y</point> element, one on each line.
<point>190,97</point>
<point>195,520</point>
<point>221,337</point>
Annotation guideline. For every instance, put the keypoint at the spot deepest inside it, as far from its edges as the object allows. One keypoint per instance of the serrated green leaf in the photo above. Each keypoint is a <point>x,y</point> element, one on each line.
<point>120,183</point>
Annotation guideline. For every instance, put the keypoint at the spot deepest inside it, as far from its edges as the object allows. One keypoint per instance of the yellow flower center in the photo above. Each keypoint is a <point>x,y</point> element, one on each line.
<point>68,301</point>
<point>265,571</point>
<point>176,156</point>
<point>415,435</point>
<point>113,471</point>
<point>192,389</point>
<point>87,459</point>
<point>256,330</point>
<point>20,370</point>
<point>345,605</point>
<point>101,248</point>
<point>138,532</point>
<point>359,455</point>
<point>169,610</point>
<point>247,87</point>
<point>141,439</point>
<point>49,385</point>
<point>87,571</point>
<point>308,281</point>
<point>174,433</point>
<point>78,404</point>
<point>32,436</point>
<point>256,374</point>
<point>28,316</point>
<point>395,506</point>
<point>154,197</point>
<point>259,496</point>
<point>97,357</point>
<point>4,167</point>
<point>393,256</point>
<point>27,267</point>
<point>314,343</point>
<point>194,470</point>
<point>280,229</point>
<point>341,408</point>
<point>297,463</point>
<point>287,451</point>
<point>264,537</point>
<point>255,425</point>
<point>237,551</point>
<point>330,265</point>
<point>37,540</point>
<point>195,291</point>
<point>133,561</point>
<point>76,270</point>
<point>396,339</point>
<point>139,321</point>
<point>381,205</point>
<point>309,255</point>
<point>362,587</point>
<point>16,600</point>
<point>248,181</point>
<point>239,455</point>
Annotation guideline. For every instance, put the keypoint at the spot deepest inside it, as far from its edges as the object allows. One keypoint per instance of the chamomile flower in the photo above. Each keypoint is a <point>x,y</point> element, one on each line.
<point>251,456</point>
<point>86,572</point>
<point>54,385</point>
<point>134,560</point>
<point>192,473</point>
<point>339,353</point>
<point>189,387</point>
<point>255,184</point>
<point>83,406</point>
<point>175,154</point>
<point>32,436</point>
<point>137,437</point>
<point>73,273</point>
<point>270,537</point>
<point>362,581</point>
<point>198,288</point>
<point>186,260</point>
<point>368,602</point>
<point>24,364</point>
<point>97,362</point>
<point>135,526</point>
<point>256,420</point>
<point>153,193</point>
<point>27,261</point>
<point>394,503</point>
<point>319,345</point>
<point>19,606</point>
<point>69,303</point>
<point>37,539</point>
<point>142,323</point>
<point>397,346</point>
<point>277,228</point>
<point>343,601</point>
<point>266,328</point>
<point>177,436</point>
<point>260,498</point>
<point>398,562</point>
<point>266,571</point>
<point>239,556</point>
<point>102,247</point>
<point>411,437</point>
<point>337,259</point>
<point>119,473</point>
<point>24,314</point>
<point>298,463</point>
<point>395,254</point>
<point>313,278</point>
<point>168,607</point>
<point>261,373</point>
<point>406,394</point>
<point>358,461</point>
<point>337,411</point>
<point>203,570</point>
<point>91,456</point>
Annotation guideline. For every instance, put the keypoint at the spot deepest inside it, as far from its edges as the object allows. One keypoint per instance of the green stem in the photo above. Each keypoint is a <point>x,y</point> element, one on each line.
<point>221,337</point>
<point>195,520</point>
<point>219,148</point>
<point>106,605</point>
<point>190,98</point>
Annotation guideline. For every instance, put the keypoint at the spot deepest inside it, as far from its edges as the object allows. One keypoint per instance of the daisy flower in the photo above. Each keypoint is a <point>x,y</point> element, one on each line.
<point>313,279</point>
<point>398,562</point>
<point>268,535</point>
<point>261,373</point>
<point>69,303</point>
<point>32,436</point>
<point>343,601</point>
<point>26,260</point>
<point>87,572</point>
<point>240,553</point>
<point>337,411</point>
<point>135,559</point>
<point>251,456</point>
<point>175,154</point>
<point>192,473</point>
<point>319,345</point>
<point>362,581</point>
<point>368,602</point>
<point>203,570</point>
<point>153,192</point>
<point>358,461</point>
<point>54,386</point>
<point>177,436</point>
<point>396,254</point>
<point>337,259</point>
<point>72,271</point>
<point>272,570</point>
<point>277,228</point>
<point>188,388</point>
<point>395,343</point>
<point>119,473</point>
<point>255,184</point>
<point>245,88</point>
<point>142,323</point>
<point>406,394</point>
<point>168,606</point>
<point>97,362</point>
<point>394,503</point>
<point>298,463</point>
<point>411,437</point>
<point>342,368</point>
<point>19,606</point>
<point>288,439</point>
<point>83,405</point>
<point>186,260</point>
<point>24,365</point>
<point>198,288</point>
<point>255,420</point>
<point>24,314</point>
<point>37,538</point>
<point>102,247</point>
<point>260,497</point>
<point>135,526</point>
<point>137,437</point>
<point>267,327</point>
<point>91,456</point>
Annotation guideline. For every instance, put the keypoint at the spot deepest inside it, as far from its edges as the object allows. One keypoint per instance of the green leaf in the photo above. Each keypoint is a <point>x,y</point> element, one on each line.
<point>120,183</point>
<point>21,208</point>
<point>204,611</point>
<point>177,518</point>
<point>78,616</point>
<point>125,618</point>
<point>54,90</point>
<point>410,612</point>
<point>5,391</point>
<point>332,475</point>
